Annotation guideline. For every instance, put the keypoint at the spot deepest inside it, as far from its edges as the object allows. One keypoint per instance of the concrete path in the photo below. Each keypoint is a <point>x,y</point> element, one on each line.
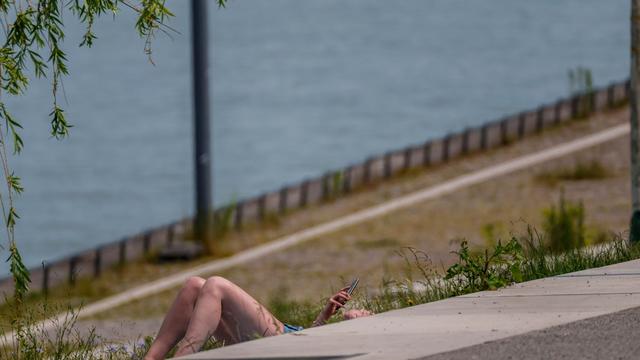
<point>456,323</point>
<point>612,336</point>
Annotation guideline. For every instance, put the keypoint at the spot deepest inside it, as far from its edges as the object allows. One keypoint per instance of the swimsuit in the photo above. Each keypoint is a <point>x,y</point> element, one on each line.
<point>291,328</point>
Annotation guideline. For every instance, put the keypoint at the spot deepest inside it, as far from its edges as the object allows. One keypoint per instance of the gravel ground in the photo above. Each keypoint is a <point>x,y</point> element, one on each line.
<point>612,336</point>
<point>312,270</point>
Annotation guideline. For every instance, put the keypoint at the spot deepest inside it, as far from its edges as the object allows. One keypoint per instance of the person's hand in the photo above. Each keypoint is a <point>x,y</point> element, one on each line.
<point>356,313</point>
<point>333,305</point>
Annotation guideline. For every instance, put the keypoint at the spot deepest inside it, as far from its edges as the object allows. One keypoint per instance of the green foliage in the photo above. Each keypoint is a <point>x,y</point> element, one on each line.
<point>593,170</point>
<point>541,261</point>
<point>523,258</point>
<point>378,243</point>
<point>564,226</point>
<point>580,80</point>
<point>336,183</point>
<point>581,83</point>
<point>20,273</point>
<point>34,37</point>
<point>223,219</point>
<point>487,270</point>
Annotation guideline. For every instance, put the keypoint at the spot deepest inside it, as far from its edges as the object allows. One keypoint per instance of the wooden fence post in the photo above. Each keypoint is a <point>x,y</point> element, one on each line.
<point>575,104</point>
<point>610,95</point>
<point>304,193</point>
<point>282,201</point>
<point>366,176</point>
<point>346,181</point>
<point>97,262</point>
<point>262,204</point>
<point>539,119</point>
<point>73,263</point>
<point>239,215</point>
<point>170,234</point>
<point>45,278</point>
<point>408,152</point>
<point>627,90</point>
<point>503,132</point>
<point>387,165</point>
<point>146,242</point>
<point>483,136</point>
<point>521,124</point>
<point>465,141</point>
<point>325,186</point>
<point>426,154</point>
<point>446,142</point>
<point>557,112</point>
<point>122,253</point>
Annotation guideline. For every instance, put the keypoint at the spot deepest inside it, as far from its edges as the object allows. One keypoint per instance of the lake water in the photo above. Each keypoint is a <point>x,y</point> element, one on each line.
<point>299,87</point>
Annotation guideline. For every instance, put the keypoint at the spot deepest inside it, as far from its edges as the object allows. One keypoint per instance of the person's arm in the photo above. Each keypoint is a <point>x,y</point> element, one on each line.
<point>335,302</point>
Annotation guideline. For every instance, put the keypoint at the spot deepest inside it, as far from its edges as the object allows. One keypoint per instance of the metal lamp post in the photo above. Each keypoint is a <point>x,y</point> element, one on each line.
<point>202,153</point>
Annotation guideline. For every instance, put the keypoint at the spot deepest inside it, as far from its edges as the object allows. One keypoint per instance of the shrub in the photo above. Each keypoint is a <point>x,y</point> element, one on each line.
<point>564,226</point>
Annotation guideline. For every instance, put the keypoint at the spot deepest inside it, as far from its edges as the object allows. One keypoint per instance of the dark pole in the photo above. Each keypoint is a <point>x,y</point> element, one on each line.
<point>201,118</point>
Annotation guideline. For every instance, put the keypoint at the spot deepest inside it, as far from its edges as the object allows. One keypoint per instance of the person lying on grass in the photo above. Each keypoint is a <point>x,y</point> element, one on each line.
<point>219,308</point>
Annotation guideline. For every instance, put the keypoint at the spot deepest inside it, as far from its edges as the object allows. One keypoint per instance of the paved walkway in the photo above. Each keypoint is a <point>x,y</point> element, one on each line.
<point>458,323</point>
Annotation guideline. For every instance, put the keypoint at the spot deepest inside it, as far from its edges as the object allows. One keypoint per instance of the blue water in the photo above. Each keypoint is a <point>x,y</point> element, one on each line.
<point>299,87</point>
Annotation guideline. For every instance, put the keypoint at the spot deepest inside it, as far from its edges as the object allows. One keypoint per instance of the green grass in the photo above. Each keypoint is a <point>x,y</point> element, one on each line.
<point>593,170</point>
<point>378,243</point>
<point>524,257</point>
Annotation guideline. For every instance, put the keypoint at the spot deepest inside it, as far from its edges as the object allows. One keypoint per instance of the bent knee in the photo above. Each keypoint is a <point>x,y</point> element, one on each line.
<point>217,285</point>
<point>194,283</point>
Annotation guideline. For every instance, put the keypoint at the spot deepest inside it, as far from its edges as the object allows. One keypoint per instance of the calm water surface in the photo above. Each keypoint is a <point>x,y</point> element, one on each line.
<point>299,87</point>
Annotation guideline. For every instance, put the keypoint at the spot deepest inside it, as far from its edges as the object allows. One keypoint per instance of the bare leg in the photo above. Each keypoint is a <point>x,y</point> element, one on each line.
<point>177,319</point>
<point>226,311</point>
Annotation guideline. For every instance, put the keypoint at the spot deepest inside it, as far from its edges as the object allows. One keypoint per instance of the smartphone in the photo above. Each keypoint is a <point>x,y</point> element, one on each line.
<point>353,286</point>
